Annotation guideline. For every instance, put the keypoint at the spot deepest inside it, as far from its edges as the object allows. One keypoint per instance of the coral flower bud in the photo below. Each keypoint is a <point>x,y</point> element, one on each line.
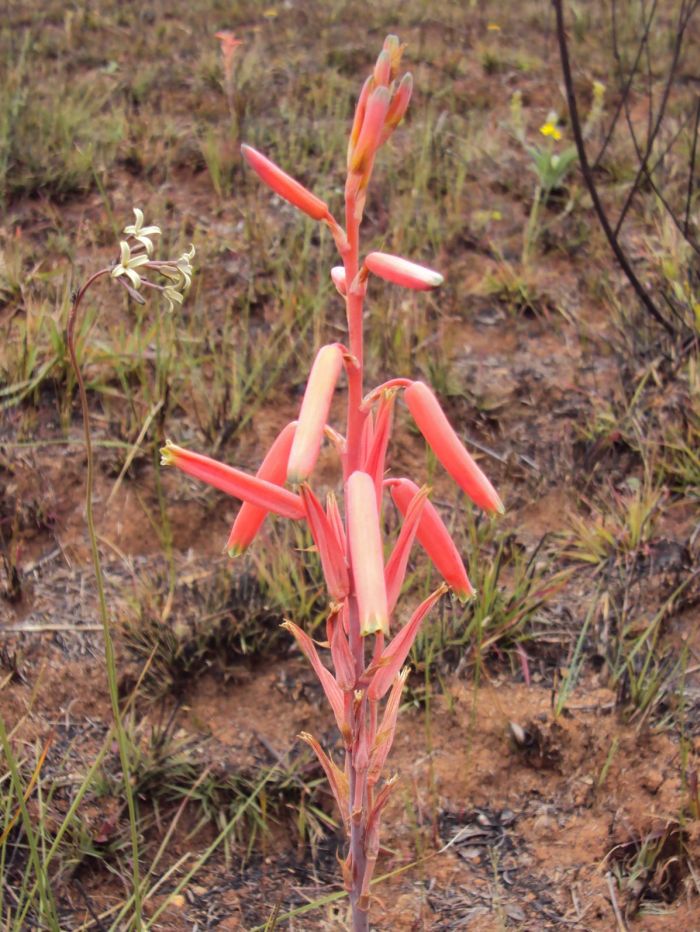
<point>434,538</point>
<point>273,469</point>
<point>402,272</point>
<point>372,127</point>
<point>284,185</point>
<point>382,69</point>
<point>448,448</point>
<point>365,544</point>
<point>397,107</point>
<point>233,481</point>
<point>338,277</point>
<point>359,116</point>
<point>314,412</point>
<point>395,50</point>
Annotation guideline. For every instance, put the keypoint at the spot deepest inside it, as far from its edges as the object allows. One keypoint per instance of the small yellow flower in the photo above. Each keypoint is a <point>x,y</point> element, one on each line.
<point>493,27</point>
<point>550,129</point>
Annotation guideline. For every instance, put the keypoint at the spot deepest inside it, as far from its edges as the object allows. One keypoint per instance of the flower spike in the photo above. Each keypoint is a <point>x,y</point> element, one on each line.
<point>365,542</point>
<point>233,481</point>
<point>284,185</point>
<point>273,469</point>
<point>402,272</point>
<point>448,448</point>
<point>314,412</point>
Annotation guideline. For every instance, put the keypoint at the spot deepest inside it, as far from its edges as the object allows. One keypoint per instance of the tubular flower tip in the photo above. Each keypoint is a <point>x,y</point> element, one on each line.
<point>284,185</point>
<point>402,272</point>
<point>233,481</point>
<point>448,448</point>
<point>338,278</point>
<point>395,50</point>
<point>367,558</point>
<point>314,412</point>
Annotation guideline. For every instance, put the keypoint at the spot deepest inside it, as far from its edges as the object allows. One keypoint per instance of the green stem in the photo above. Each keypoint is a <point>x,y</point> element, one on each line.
<point>45,894</point>
<point>531,229</point>
<point>110,663</point>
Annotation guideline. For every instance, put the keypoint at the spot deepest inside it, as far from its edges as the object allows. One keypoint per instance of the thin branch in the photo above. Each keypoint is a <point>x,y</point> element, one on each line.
<point>588,177</point>
<point>691,169</point>
<point>630,78</point>
<point>651,138</point>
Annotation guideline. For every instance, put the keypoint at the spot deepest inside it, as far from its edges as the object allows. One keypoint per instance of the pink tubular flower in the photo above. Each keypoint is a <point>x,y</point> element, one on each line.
<point>434,538</point>
<point>448,448</point>
<point>273,469</point>
<point>233,481</point>
<point>402,272</point>
<point>335,570</point>
<point>284,185</point>
<point>365,543</point>
<point>314,412</point>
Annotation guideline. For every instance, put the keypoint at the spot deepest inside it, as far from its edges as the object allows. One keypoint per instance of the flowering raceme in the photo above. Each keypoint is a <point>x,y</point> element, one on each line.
<point>367,661</point>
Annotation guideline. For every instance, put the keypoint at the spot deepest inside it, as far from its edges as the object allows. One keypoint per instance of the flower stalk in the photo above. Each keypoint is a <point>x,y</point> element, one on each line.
<point>367,673</point>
